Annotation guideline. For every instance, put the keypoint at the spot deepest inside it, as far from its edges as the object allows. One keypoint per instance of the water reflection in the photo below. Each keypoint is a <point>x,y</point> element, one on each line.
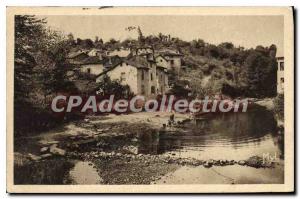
<point>222,136</point>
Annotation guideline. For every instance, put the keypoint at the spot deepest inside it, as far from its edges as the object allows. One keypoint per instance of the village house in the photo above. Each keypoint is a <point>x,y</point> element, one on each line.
<point>141,75</point>
<point>280,74</point>
<point>76,57</point>
<point>142,50</point>
<point>120,52</point>
<point>169,59</point>
<point>95,53</point>
<point>91,65</point>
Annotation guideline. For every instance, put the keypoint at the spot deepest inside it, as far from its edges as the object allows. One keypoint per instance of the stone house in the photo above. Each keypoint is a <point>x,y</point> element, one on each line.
<point>91,65</point>
<point>169,59</point>
<point>120,52</point>
<point>95,53</point>
<point>142,50</point>
<point>140,74</point>
<point>76,57</point>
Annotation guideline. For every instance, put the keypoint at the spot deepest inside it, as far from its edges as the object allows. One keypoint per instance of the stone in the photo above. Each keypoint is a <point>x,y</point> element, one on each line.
<point>34,157</point>
<point>53,142</point>
<point>57,151</point>
<point>46,155</point>
<point>44,149</point>
<point>207,164</point>
<point>47,143</point>
<point>241,162</point>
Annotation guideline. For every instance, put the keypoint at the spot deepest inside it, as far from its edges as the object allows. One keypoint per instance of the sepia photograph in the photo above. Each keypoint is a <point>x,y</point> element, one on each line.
<point>150,99</point>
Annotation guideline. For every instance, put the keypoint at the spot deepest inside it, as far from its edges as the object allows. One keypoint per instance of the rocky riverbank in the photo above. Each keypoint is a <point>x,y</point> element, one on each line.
<point>121,151</point>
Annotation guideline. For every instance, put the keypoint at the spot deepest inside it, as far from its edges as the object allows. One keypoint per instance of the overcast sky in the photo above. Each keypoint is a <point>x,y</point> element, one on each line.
<point>247,31</point>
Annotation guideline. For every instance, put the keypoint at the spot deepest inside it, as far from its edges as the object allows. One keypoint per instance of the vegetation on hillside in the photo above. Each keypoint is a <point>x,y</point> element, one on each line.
<point>40,68</point>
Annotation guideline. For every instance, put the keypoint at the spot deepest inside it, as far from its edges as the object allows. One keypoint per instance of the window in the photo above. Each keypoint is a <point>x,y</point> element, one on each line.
<point>151,76</point>
<point>143,75</point>
<point>88,71</point>
<point>152,89</point>
<point>282,80</point>
<point>281,66</point>
<point>123,78</point>
<point>143,90</point>
<point>172,62</point>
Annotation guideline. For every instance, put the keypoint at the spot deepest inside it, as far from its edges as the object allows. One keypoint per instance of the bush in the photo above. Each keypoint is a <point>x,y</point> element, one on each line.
<point>279,106</point>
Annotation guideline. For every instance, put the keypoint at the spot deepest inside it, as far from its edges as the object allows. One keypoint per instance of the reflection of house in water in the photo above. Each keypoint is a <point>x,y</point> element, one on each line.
<point>157,142</point>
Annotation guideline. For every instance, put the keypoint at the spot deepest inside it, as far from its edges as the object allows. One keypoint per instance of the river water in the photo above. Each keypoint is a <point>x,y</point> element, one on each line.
<point>228,136</point>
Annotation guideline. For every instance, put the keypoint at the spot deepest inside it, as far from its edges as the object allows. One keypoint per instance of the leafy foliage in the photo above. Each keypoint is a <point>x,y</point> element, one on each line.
<point>108,87</point>
<point>39,71</point>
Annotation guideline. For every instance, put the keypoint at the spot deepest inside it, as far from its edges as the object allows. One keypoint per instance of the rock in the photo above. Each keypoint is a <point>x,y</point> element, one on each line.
<point>241,162</point>
<point>57,151</point>
<point>46,155</point>
<point>34,157</point>
<point>255,161</point>
<point>44,149</point>
<point>134,140</point>
<point>47,143</point>
<point>86,120</point>
<point>52,142</point>
<point>207,164</point>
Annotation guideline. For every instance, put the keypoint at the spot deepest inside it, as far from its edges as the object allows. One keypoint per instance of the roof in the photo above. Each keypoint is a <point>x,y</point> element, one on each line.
<point>141,47</point>
<point>112,61</point>
<point>92,60</point>
<point>159,55</point>
<point>74,54</point>
<point>169,52</point>
<point>138,62</point>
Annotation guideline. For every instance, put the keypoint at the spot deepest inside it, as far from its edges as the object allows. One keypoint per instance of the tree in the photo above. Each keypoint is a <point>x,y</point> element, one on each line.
<point>109,87</point>
<point>39,66</point>
<point>261,74</point>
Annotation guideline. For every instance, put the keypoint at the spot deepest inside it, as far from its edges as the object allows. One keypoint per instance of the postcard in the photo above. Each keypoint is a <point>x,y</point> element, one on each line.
<point>150,99</point>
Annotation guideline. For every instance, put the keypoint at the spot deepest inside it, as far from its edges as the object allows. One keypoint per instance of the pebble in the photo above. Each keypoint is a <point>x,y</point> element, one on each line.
<point>46,155</point>
<point>34,157</point>
<point>241,162</point>
<point>44,149</point>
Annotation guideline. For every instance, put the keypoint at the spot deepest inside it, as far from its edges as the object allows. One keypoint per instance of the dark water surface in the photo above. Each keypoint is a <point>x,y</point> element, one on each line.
<point>223,136</point>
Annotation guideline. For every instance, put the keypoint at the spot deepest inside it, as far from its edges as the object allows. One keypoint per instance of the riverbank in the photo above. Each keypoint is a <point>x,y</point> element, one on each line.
<point>143,148</point>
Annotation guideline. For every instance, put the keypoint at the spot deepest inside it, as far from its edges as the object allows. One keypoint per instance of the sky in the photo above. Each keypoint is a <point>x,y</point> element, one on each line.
<point>246,31</point>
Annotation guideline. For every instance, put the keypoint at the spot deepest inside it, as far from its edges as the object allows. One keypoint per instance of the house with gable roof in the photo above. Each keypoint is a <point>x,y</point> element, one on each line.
<point>143,76</point>
<point>169,59</point>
